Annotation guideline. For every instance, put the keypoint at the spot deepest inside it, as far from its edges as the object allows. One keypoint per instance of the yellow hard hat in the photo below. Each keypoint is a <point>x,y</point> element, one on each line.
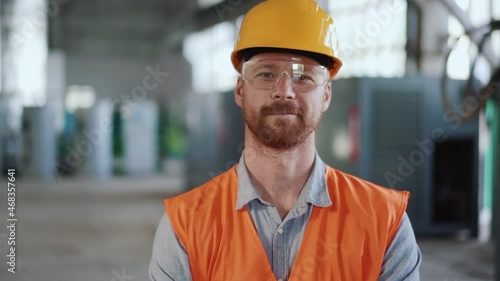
<point>295,25</point>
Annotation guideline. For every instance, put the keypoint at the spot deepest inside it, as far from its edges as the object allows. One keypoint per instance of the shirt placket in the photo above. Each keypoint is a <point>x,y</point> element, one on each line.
<point>280,252</point>
<point>282,241</point>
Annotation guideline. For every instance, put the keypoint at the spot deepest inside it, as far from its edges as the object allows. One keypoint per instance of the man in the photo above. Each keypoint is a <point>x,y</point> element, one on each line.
<point>281,213</point>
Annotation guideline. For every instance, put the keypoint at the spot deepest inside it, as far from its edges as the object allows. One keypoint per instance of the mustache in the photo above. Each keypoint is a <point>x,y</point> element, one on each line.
<point>281,107</point>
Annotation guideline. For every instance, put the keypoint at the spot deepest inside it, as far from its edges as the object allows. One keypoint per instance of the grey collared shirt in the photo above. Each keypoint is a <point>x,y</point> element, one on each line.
<point>282,238</point>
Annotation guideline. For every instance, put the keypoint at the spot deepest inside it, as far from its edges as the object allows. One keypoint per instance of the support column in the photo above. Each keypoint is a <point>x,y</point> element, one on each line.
<point>495,139</point>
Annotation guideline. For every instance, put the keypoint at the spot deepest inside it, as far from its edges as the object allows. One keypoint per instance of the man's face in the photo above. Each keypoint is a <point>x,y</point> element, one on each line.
<point>284,116</point>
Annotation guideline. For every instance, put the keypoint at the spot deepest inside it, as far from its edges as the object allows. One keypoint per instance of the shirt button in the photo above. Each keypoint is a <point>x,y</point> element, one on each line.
<point>301,206</point>
<point>280,231</point>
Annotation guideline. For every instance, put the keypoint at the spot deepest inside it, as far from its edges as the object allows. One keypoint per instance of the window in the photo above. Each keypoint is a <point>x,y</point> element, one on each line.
<point>495,37</point>
<point>208,3</point>
<point>371,37</point>
<point>209,53</point>
<point>459,63</point>
<point>79,97</point>
<point>26,52</point>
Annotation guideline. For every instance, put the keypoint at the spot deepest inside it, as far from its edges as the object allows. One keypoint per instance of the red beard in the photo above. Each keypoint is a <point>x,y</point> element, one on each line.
<point>281,132</point>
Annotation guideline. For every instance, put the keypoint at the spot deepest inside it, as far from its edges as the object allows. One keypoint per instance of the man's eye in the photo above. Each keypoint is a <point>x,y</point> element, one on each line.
<point>265,75</point>
<point>305,78</point>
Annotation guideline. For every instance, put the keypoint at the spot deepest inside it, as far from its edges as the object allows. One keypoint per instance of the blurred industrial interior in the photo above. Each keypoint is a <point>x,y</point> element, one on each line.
<point>107,107</point>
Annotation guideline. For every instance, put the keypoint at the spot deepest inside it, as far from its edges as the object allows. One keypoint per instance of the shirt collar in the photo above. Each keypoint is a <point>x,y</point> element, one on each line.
<point>315,188</point>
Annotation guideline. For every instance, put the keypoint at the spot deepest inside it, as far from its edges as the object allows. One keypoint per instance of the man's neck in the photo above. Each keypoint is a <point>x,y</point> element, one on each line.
<point>279,176</point>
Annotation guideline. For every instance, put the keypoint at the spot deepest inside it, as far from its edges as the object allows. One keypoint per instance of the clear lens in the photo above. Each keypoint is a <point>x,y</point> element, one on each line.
<point>266,74</point>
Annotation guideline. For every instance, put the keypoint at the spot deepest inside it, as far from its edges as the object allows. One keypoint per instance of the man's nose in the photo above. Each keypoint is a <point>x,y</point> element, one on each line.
<point>284,87</point>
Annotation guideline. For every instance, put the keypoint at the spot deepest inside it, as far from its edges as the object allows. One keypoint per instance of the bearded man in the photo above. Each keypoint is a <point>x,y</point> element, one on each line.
<point>281,213</point>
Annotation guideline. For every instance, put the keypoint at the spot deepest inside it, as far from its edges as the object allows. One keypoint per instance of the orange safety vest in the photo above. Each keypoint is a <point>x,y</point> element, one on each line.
<point>344,242</point>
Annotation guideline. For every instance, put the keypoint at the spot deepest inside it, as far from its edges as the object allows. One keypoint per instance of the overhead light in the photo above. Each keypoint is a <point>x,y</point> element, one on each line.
<point>79,97</point>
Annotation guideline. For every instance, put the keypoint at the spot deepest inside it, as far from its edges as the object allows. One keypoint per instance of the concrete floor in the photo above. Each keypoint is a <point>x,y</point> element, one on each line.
<point>79,230</point>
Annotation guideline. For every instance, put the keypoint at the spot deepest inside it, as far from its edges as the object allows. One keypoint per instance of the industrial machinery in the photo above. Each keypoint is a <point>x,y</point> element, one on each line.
<point>396,133</point>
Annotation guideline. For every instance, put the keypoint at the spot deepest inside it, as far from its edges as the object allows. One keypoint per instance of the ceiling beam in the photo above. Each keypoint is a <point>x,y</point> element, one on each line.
<point>228,10</point>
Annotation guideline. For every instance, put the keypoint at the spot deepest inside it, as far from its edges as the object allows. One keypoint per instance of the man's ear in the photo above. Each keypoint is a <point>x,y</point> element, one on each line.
<point>327,96</point>
<point>238,92</point>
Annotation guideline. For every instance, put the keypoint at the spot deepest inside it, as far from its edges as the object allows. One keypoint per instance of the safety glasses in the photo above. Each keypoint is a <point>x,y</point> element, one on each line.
<point>265,74</point>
